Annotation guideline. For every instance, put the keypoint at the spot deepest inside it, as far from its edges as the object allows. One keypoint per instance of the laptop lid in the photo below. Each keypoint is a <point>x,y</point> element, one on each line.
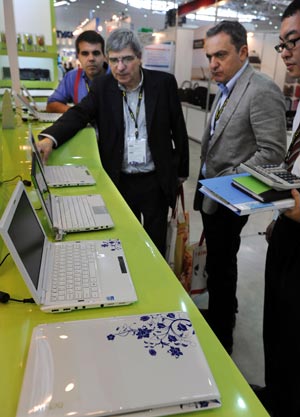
<point>30,98</point>
<point>33,254</point>
<point>41,188</point>
<point>57,217</point>
<point>142,365</point>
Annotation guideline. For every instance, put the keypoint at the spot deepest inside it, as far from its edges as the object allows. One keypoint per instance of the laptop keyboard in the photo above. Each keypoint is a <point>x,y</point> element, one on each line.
<point>47,117</point>
<point>75,212</point>
<point>74,272</point>
<point>64,174</point>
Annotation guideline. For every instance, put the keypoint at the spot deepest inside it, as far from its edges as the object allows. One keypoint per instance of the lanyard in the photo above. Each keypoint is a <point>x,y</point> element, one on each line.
<point>76,85</point>
<point>220,110</point>
<point>136,116</point>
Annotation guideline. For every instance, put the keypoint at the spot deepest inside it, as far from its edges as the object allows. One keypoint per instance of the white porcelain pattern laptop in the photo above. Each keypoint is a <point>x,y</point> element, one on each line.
<point>66,214</point>
<point>144,365</point>
<point>64,276</point>
<point>63,175</point>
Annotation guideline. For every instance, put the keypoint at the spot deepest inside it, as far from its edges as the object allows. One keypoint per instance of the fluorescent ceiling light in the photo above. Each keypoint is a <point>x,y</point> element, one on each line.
<point>61,3</point>
<point>210,14</point>
<point>158,5</point>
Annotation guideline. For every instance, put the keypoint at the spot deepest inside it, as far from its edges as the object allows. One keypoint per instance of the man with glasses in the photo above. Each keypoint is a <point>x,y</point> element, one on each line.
<point>76,83</point>
<point>143,141</point>
<point>247,123</point>
<point>281,324</point>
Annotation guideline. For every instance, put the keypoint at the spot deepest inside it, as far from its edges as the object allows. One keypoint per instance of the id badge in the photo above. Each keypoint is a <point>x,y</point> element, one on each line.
<point>136,151</point>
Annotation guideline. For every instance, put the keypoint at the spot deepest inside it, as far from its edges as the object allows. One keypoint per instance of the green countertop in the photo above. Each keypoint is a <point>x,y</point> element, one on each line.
<point>157,287</point>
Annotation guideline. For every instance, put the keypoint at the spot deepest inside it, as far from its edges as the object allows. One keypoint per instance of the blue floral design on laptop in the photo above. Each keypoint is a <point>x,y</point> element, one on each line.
<point>168,332</point>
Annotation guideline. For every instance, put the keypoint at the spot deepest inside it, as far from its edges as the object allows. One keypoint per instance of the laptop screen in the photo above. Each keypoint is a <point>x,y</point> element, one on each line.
<point>27,237</point>
<point>41,185</point>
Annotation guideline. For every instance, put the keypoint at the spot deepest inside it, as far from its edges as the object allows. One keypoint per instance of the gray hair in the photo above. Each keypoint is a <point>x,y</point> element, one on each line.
<point>123,38</point>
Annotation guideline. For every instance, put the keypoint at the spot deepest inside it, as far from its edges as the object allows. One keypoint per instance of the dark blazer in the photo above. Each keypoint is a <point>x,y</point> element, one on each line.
<point>167,135</point>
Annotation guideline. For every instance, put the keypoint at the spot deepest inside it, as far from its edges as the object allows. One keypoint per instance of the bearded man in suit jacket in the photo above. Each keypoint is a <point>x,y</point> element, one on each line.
<point>247,123</point>
<point>143,141</point>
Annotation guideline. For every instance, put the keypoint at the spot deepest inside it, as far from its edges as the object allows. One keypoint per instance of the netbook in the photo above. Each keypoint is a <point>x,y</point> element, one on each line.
<point>67,214</point>
<point>63,175</point>
<point>143,365</point>
<point>64,276</point>
<point>27,93</point>
<point>39,115</point>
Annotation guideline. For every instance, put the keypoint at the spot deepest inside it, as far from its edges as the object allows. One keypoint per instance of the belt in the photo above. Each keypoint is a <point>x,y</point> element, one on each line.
<point>138,174</point>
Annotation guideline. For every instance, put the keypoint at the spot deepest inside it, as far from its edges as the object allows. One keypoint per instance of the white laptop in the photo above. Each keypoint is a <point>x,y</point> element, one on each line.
<point>63,175</point>
<point>64,276</point>
<point>148,365</point>
<point>27,93</point>
<point>41,116</point>
<point>67,214</point>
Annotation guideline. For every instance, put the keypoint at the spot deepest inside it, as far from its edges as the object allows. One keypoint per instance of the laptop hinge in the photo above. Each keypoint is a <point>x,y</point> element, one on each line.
<point>59,234</point>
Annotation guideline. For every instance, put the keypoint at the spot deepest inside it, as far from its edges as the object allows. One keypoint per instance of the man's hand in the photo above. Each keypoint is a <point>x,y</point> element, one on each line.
<point>294,212</point>
<point>269,230</point>
<point>181,180</point>
<point>45,148</point>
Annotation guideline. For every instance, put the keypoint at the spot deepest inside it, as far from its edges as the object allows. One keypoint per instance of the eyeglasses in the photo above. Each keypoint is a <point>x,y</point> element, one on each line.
<point>288,45</point>
<point>124,59</point>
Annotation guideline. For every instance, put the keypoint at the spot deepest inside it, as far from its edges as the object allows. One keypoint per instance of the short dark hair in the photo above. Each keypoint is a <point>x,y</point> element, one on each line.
<point>291,10</point>
<point>90,36</point>
<point>234,29</point>
<point>122,38</point>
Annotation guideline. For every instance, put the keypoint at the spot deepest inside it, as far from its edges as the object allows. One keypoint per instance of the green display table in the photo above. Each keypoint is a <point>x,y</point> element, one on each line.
<point>157,288</point>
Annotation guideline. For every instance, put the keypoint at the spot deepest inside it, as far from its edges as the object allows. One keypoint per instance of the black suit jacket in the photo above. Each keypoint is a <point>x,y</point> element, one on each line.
<point>167,135</point>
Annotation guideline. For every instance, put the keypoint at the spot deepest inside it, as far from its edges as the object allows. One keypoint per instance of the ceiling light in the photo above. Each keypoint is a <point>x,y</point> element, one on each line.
<point>61,3</point>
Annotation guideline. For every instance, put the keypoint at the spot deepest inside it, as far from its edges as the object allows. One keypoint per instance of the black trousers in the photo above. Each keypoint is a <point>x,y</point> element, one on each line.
<point>146,199</point>
<point>281,322</point>
<point>222,233</point>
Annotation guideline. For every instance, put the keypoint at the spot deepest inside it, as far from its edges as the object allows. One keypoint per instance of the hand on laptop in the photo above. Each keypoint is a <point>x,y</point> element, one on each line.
<point>45,148</point>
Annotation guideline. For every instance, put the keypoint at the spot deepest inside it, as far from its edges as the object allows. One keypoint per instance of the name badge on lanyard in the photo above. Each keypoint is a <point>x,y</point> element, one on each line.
<point>136,145</point>
<point>136,150</point>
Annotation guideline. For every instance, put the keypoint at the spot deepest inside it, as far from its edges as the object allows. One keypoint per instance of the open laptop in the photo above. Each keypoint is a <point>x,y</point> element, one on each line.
<point>67,214</point>
<point>41,116</point>
<point>63,175</point>
<point>27,93</point>
<point>148,365</point>
<point>64,276</point>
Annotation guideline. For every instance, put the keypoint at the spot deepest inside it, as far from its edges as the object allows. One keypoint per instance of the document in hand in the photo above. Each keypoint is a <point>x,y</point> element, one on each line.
<point>222,190</point>
<point>258,189</point>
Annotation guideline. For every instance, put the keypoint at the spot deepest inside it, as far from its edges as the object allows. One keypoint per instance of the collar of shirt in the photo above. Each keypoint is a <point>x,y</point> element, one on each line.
<point>228,87</point>
<point>122,88</point>
<point>86,78</point>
